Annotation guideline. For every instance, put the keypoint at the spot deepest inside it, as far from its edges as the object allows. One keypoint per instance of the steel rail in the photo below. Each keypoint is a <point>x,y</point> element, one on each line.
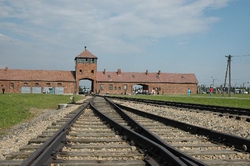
<point>220,109</point>
<point>160,154</point>
<point>48,151</point>
<point>145,132</point>
<point>239,143</point>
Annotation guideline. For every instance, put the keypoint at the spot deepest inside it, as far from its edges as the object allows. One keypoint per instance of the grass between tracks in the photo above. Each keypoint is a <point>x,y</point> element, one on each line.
<point>16,108</point>
<point>237,100</point>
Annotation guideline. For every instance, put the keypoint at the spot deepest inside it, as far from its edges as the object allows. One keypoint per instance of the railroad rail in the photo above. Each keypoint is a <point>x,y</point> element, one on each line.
<point>231,112</point>
<point>210,147</point>
<point>70,142</point>
<point>101,132</point>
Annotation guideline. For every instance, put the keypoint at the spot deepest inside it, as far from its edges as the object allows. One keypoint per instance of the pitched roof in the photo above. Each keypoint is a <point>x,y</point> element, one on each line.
<point>36,75</point>
<point>137,77</point>
<point>140,77</point>
<point>86,54</point>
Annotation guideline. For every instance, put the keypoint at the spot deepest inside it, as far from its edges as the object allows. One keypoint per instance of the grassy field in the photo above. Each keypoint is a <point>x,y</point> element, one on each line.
<point>237,100</point>
<point>16,108</point>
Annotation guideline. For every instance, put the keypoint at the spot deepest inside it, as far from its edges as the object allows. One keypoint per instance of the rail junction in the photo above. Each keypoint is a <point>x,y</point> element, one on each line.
<point>102,132</point>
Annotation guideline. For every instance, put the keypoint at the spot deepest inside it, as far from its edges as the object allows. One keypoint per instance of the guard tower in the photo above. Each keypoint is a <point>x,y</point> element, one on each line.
<point>85,69</point>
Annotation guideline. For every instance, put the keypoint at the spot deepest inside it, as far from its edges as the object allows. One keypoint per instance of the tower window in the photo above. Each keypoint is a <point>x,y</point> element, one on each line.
<point>80,71</point>
<point>92,71</point>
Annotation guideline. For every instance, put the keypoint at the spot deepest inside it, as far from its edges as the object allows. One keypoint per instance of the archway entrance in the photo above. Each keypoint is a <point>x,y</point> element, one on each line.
<point>140,89</point>
<point>86,86</point>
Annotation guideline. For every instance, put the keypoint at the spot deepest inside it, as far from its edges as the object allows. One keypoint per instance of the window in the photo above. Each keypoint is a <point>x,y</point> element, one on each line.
<point>79,60</point>
<point>12,85</point>
<point>25,84</point>
<point>37,84</point>
<point>48,84</point>
<point>115,88</point>
<point>92,71</point>
<point>80,71</point>
<point>101,86</point>
<point>110,86</point>
<point>59,84</point>
<point>119,88</point>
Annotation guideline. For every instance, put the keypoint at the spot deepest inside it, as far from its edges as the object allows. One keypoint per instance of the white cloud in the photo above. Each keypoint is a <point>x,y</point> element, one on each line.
<point>110,26</point>
<point>4,38</point>
<point>63,20</point>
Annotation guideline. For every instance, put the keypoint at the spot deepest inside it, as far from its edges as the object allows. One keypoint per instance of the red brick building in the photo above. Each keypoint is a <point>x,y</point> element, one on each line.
<point>67,82</point>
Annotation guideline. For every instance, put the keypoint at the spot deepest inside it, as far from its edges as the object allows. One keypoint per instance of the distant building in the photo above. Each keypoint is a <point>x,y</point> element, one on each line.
<point>102,82</point>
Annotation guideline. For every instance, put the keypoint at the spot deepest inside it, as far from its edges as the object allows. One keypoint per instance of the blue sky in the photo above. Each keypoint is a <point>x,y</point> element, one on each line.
<point>174,36</point>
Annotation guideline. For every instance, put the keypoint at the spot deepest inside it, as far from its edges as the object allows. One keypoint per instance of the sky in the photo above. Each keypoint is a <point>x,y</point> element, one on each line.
<point>174,36</point>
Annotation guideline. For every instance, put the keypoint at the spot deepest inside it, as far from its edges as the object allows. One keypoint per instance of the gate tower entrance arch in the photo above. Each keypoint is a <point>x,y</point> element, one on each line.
<point>86,86</point>
<point>86,68</point>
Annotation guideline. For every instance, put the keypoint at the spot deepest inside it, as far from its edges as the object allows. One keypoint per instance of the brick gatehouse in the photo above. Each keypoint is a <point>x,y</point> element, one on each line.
<point>116,82</point>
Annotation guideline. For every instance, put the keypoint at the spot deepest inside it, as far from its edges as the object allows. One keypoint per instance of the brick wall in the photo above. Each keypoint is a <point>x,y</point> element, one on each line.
<point>86,71</point>
<point>15,86</point>
<point>168,88</point>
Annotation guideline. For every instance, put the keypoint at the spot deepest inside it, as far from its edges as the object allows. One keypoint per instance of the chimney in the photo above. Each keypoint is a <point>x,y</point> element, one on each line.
<point>159,72</point>
<point>85,47</point>
<point>104,71</point>
<point>119,72</point>
<point>146,72</point>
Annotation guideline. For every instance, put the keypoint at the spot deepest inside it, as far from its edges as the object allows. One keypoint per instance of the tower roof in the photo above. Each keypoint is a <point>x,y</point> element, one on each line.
<point>86,54</point>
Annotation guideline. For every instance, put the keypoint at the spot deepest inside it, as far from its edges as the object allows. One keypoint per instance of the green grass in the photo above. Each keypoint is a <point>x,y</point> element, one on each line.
<point>239,101</point>
<point>16,108</point>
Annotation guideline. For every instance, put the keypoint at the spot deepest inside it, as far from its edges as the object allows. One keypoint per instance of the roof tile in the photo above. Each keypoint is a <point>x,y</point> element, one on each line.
<point>141,77</point>
<point>36,75</point>
<point>86,54</point>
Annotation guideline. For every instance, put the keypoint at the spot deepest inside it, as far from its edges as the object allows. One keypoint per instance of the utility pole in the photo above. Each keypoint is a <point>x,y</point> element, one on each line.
<point>229,85</point>
<point>229,73</point>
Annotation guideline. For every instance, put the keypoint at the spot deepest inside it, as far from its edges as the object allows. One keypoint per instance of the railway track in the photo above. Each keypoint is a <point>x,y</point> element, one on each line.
<point>197,146</point>
<point>99,133</point>
<point>230,112</point>
<point>88,137</point>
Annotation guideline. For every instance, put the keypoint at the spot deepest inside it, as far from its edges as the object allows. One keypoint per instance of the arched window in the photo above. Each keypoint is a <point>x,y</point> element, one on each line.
<point>11,85</point>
